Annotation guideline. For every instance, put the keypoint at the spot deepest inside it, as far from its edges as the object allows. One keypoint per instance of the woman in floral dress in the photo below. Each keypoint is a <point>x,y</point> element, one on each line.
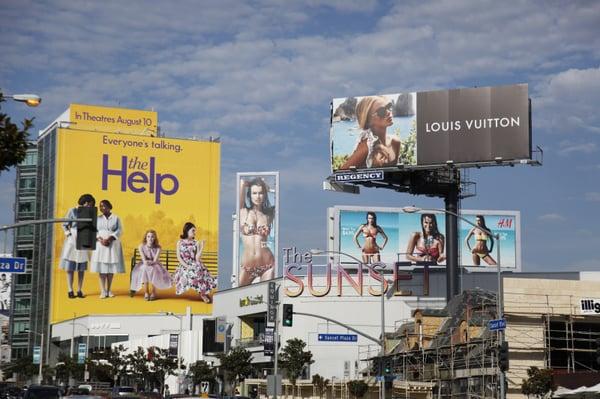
<point>191,272</point>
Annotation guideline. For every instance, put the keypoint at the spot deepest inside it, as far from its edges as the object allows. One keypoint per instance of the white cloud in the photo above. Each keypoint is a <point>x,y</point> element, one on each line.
<point>593,196</point>
<point>567,102</point>
<point>551,217</point>
<point>568,147</point>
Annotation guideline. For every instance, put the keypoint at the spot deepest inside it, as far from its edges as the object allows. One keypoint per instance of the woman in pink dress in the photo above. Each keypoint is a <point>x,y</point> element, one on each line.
<point>191,272</point>
<point>150,271</point>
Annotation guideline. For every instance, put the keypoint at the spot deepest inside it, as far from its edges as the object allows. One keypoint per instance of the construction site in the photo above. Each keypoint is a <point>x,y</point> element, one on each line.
<point>452,353</point>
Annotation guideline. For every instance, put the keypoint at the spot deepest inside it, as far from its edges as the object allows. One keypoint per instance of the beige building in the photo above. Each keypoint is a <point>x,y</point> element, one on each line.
<point>548,327</point>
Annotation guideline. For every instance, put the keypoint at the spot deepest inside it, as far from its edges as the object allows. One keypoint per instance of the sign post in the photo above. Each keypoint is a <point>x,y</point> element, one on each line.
<point>497,325</point>
<point>81,353</point>
<point>37,354</point>
<point>12,265</point>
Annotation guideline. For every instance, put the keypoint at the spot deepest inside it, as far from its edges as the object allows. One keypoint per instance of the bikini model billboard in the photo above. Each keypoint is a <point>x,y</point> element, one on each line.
<point>257,227</point>
<point>373,234</point>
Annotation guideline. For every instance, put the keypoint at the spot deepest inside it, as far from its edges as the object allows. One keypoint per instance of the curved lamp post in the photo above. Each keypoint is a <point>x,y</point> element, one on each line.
<point>32,100</point>
<point>179,343</point>
<point>499,299</point>
<point>382,340</point>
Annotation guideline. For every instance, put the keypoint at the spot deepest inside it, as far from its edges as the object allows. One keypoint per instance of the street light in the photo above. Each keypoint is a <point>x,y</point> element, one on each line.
<point>32,100</point>
<point>87,345</point>
<point>178,347</point>
<point>41,353</point>
<point>414,209</point>
<point>382,340</point>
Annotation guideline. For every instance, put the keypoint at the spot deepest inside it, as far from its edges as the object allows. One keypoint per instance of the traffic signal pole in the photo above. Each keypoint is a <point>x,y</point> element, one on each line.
<point>42,221</point>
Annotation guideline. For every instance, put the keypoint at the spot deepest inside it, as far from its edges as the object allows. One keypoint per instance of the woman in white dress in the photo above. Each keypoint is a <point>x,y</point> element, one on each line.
<point>71,259</point>
<point>107,259</point>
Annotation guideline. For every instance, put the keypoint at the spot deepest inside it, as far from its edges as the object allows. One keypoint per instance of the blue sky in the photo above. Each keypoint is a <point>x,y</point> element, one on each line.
<point>261,74</point>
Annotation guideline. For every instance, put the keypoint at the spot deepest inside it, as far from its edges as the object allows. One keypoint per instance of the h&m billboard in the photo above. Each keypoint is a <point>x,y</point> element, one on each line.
<point>157,238</point>
<point>374,234</point>
<point>428,129</point>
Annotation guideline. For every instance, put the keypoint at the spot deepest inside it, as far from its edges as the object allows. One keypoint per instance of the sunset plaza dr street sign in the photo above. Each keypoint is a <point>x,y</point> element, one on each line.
<point>12,265</point>
<point>338,337</point>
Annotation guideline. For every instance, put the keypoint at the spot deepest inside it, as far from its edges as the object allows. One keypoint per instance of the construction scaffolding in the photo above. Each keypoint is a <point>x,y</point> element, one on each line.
<point>449,352</point>
<point>452,353</point>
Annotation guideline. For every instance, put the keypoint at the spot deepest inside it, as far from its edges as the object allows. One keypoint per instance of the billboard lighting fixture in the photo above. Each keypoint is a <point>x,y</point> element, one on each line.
<point>498,159</point>
<point>449,162</point>
<point>352,168</point>
<point>32,100</point>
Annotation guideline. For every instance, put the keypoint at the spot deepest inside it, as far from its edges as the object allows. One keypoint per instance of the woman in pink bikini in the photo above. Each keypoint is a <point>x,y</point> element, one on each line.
<point>429,242</point>
<point>370,249</point>
<point>256,218</point>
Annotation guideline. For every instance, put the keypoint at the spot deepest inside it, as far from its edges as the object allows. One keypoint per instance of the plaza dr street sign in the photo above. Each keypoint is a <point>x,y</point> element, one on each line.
<point>12,265</point>
<point>338,337</point>
<point>498,324</point>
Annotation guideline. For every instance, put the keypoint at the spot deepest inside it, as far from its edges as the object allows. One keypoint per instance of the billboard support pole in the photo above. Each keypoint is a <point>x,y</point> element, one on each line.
<point>452,209</point>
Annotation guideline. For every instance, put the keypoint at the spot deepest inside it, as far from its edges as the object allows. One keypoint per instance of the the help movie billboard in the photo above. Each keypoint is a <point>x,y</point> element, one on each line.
<point>159,190</point>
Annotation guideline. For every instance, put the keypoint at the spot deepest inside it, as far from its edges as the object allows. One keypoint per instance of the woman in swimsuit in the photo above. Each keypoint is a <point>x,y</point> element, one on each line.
<point>256,219</point>
<point>480,250</point>
<point>369,230</point>
<point>374,147</point>
<point>428,242</point>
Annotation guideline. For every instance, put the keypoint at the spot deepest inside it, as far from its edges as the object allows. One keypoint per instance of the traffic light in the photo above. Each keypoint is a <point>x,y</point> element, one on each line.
<point>387,366</point>
<point>86,231</point>
<point>377,363</point>
<point>503,356</point>
<point>288,314</point>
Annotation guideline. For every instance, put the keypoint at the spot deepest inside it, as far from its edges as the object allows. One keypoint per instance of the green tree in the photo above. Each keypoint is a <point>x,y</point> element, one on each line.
<point>320,383</point>
<point>107,365</point>
<point>540,383</point>
<point>235,366</point>
<point>68,366</point>
<point>23,368</point>
<point>201,371</point>
<point>161,364</point>
<point>137,366</point>
<point>13,140</point>
<point>358,388</point>
<point>294,358</point>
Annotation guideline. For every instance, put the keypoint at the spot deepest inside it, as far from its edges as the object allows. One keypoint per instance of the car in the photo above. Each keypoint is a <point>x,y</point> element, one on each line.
<point>86,386</point>
<point>42,392</point>
<point>123,391</point>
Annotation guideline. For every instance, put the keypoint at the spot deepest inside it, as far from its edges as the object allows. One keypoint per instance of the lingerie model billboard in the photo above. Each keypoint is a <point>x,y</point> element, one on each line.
<point>371,234</point>
<point>462,127</point>
<point>257,227</point>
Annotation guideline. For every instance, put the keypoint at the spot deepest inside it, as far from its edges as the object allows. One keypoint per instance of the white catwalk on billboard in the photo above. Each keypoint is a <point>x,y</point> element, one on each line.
<point>256,228</point>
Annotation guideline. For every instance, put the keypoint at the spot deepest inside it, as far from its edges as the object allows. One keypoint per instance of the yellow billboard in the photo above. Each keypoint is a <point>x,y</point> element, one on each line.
<point>112,119</point>
<point>157,240</point>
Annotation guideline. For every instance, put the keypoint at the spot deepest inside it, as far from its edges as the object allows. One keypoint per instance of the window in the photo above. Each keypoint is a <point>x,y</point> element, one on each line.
<point>22,305</point>
<point>26,208</point>
<point>27,183</point>
<point>572,344</point>
<point>25,231</point>
<point>259,327</point>
<point>21,327</point>
<point>208,338</point>
<point>18,353</point>
<point>23,278</point>
<point>30,158</point>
